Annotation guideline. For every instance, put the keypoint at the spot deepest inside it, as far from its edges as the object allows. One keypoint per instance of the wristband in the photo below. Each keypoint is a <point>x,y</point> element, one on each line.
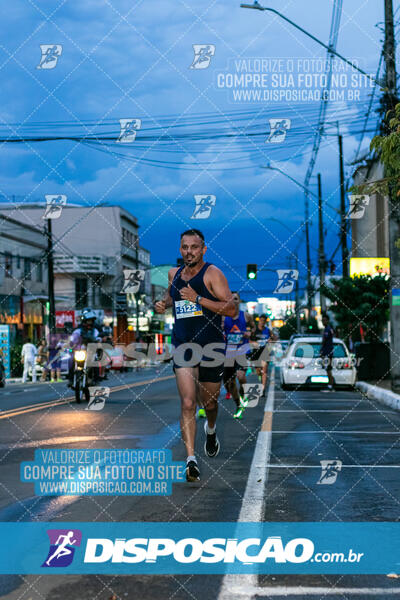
<point>198,298</point>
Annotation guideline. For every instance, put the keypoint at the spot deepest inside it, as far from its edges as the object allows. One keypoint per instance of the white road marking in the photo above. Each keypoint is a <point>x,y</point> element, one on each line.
<point>253,500</point>
<point>396,432</point>
<point>287,591</point>
<point>303,466</point>
<point>329,411</point>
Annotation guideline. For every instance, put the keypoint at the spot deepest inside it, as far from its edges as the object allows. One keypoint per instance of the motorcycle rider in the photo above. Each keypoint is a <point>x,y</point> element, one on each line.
<point>85,334</point>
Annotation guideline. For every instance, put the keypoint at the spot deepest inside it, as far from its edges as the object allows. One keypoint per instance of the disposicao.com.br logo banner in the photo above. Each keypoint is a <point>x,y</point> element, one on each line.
<point>187,548</point>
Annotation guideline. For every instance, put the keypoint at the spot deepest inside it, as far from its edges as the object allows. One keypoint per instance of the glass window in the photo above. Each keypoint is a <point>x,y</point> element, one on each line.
<point>81,293</point>
<point>8,264</point>
<point>27,268</point>
<point>312,350</point>
<point>39,272</point>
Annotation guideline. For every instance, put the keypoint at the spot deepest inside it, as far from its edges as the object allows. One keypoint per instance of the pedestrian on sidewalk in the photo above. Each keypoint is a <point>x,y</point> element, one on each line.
<point>54,362</point>
<point>42,354</point>
<point>28,359</point>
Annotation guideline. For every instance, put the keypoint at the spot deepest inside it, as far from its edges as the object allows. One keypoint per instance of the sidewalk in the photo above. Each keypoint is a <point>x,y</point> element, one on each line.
<point>380,391</point>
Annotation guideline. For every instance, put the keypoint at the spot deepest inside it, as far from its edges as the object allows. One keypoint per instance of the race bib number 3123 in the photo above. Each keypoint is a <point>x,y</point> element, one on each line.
<point>186,308</point>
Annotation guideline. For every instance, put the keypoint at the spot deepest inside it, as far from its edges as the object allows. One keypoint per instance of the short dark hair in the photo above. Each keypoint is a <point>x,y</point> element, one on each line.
<point>263,316</point>
<point>193,232</point>
<point>325,315</point>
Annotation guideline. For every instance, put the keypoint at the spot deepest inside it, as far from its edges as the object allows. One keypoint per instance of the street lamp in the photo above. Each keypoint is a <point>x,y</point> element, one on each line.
<point>258,6</point>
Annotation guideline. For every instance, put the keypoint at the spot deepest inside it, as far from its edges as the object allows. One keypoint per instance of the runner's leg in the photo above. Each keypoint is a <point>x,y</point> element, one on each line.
<point>241,375</point>
<point>230,384</point>
<point>186,378</point>
<point>264,377</point>
<point>209,392</point>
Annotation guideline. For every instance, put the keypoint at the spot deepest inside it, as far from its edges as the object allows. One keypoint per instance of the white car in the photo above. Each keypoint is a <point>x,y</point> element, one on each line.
<point>303,366</point>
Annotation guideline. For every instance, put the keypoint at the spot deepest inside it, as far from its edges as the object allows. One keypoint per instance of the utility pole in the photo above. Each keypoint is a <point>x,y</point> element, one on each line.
<point>50,279</point>
<point>308,258</point>
<point>394,213</point>
<point>343,220</point>
<point>138,292</point>
<point>297,303</point>
<point>321,249</point>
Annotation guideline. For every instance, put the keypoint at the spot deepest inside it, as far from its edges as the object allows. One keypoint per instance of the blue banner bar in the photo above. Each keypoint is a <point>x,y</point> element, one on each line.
<point>192,548</point>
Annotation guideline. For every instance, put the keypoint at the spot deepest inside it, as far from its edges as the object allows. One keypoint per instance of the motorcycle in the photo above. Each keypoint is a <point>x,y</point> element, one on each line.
<point>84,375</point>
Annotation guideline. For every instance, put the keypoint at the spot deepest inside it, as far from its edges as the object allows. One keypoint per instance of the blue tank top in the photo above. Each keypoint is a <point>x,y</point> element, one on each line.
<point>262,336</point>
<point>235,330</point>
<point>193,322</point>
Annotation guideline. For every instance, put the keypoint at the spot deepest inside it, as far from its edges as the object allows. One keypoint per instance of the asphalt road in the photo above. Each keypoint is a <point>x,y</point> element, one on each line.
<point>304,427</point>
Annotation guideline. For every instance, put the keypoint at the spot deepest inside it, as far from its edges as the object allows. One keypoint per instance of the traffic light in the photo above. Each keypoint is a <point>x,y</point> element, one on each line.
<point>251,271</point>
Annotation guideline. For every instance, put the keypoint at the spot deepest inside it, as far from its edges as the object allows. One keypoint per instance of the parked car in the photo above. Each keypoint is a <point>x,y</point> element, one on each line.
<point>303,366</point>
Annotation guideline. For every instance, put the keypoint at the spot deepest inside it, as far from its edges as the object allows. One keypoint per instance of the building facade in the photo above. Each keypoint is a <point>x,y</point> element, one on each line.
<point>370,226</point>
<point>92,246</point>
<point>23,277</point>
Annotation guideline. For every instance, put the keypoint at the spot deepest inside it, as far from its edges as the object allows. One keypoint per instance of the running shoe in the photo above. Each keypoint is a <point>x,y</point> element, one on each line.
<point>211,445</point>
<point>228,396</point>
<point>201,413</point>
<point>243,402</point>
<point>239,413</point>
<point>192,471</point>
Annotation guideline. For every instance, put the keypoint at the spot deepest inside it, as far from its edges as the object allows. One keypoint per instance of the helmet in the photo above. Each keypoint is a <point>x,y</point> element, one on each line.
<point>87,315</point>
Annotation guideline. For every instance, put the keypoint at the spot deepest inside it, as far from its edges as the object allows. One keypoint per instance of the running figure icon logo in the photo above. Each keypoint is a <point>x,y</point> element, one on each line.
<point>132,279</point>
<point>358,204</point>
<point>204,204</point>
<point>54,205</point>
<point>329,471</point>
<point>202,55</point>
<point>286,280</point>
<point>128,129</point>
<point>252,393</point>
<point>50,55</point>
<point>62,547</point>
<point>98,397</point>
<point>279,129</point>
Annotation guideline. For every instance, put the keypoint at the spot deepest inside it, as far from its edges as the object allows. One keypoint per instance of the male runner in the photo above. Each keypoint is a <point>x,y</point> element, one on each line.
<point>237,336</point>
<point>326,351</point>
<point>199,294</point>
<point>260,337</point>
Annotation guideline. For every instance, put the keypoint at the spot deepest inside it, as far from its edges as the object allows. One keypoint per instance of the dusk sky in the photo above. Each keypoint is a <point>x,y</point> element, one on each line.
<point>123,60</point>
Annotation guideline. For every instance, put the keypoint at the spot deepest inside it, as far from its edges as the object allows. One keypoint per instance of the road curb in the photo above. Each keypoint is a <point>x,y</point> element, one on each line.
<point>374,392</point>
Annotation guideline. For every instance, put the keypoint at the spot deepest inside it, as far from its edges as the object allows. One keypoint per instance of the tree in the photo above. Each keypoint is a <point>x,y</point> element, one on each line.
<point>290,327</point>
<point>361,300</point>
<point>387,147</point>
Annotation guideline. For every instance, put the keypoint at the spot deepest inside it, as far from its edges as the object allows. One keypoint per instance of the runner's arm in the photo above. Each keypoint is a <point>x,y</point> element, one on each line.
<point>250,324</point>
<point>166,300</point>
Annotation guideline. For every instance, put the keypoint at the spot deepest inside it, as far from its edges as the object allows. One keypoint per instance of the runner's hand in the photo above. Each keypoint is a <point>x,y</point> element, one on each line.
<point>160,306</point>
<point>188,293</point>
